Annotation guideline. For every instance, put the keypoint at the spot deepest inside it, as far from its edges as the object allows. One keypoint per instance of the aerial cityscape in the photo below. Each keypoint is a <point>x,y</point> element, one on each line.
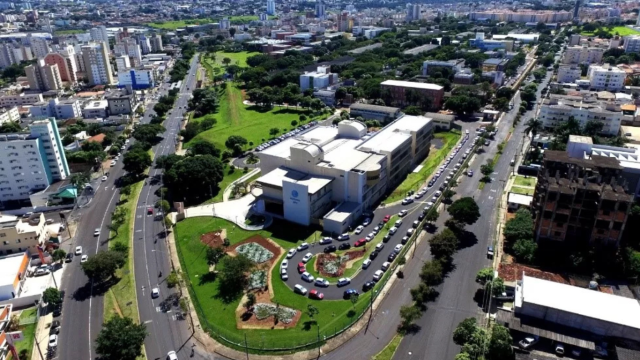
<point>436,180</point>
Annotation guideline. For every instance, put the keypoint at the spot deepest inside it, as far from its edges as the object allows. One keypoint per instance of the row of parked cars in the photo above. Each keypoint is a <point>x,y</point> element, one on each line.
<point>285,136</point>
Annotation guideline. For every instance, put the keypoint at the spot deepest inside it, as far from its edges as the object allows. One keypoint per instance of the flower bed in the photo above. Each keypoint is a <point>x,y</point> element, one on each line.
<point>331,265</point>
<point>257,279</point>
<point>263,311</point>
<point>255,252</point>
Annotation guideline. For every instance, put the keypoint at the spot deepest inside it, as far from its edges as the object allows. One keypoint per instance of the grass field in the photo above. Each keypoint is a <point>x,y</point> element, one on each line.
<point>226,180</point>
<point>521,190</point>
<point>250,122</point>
<point>69,32</point>
<point>28,331</point>
<point>178,24</point>
<point>616,30</point>
<point>214,67</point>
<point>332,316</point>
<point>415,180</point>
<point>389,350</point>
<point>124,291</point>
<point>525,181</point>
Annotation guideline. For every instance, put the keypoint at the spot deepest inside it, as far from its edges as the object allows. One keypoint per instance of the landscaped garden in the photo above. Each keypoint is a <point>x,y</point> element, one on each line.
<point>616,30</point>
<point>222,315</point>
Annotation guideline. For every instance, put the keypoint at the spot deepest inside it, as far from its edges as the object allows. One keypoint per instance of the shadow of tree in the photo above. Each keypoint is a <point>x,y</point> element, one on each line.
<point>351,313</point>
<point>85,292</point>
<point>307,325</point>
<point>207,278</point>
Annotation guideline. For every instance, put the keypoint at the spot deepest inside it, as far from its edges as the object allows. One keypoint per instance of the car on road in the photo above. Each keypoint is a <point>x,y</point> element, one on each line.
<point>393,230</point>
<point>344,236</point>
<point>397,248</point>
<point>113,163</point>
<point>379,247</point>
<point>345,246</point>
<point>373,255</point>
<point>155,292</point>
<point>330,249</point>
<point>53,341</point>
<point>104,178</point>
<point>303,246</point>
<point>42,270</point>
<point>392,256</point>
<point>490,252</point>
<point>359,229</point>
<point>325,241</point>
<point>407,201</point>
<point>398,223</point>
<point>528,342</point>
<point>291,253</point>
<point>377,229</point>
<point>486,143</point>
<point>284,274</point>
<point>322,282</point>
<point>300,289</point>
<point>415,224</point>
<point>370,236</point>
<point>68,258</point>
<point>344,281</point>
<point>366,222</point>
<point>171,355</point>
<point>366,263</point>
<point>307,257</point>
<point>386,238</point>
<point>96,232</point>
<point>307,277</point>
<point>360,242</point>
<point>78,250</point>
<point>368,286</point>
<point>149,211</point>
<point>385,266</point>
<point>349,293</point>
<point>301,268</point>
<point>421,216</point>
<point>315,294</point>
<point>410,231</point>
<point>470,173</point>
<point>386,218</point>
<point>84,258</point>
<point>403,213</point>
<point>378,275</point>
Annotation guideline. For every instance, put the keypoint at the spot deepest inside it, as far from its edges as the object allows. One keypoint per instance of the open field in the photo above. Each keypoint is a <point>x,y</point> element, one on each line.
<point>250,122</point>
<point>525,181</point>
<point>616,30</point>
<point>123,292</point>
<point>215,67</point>
<point>178,24</point>
<point>435,157</point>
<point>220,314</point>
<point>28,331</point>
<point>69,32</point>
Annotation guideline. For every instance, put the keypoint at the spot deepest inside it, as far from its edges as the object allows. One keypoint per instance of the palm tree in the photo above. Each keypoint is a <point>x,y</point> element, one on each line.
<point>533,126</point>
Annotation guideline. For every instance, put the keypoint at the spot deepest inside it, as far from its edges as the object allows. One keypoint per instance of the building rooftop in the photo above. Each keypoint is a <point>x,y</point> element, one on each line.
<point>360,50</point>
<point>10,266</point>
<point>98,104</point>
<point>575,300</point>
<point>495,61</point>
<point>378,108</point>
<point>313,182</point>
<point>394,134</point>
<point>342,212</point>
<point>413,85</point>
<point>520,199</point>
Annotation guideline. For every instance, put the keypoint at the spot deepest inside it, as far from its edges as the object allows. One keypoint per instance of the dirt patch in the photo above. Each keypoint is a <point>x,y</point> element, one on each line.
<point>322,259</point>
<point>214,239</point>
<point>268,244</point>
<point>513,272</point>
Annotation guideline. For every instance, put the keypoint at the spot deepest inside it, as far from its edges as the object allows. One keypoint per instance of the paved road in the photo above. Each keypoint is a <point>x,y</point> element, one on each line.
<point>364,275</point>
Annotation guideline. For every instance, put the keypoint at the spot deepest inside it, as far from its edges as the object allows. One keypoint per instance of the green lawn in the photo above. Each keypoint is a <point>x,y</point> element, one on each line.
<point>333,315</point>
<point>525,181</point>
<point>616,30</point>
<point>415,180</point>
<point>226,181</point>
<point>214,67</point>
<point>28,331</point>
<point>521,190</point>
<point>69,32</point>
<point>389,350</point>
<point>178,24</point>
<point>250,122</point>
<point>121,297</point>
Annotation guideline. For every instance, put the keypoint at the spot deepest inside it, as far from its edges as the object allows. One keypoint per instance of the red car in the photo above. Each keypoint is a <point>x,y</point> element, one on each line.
<point>301,267</point>
<point>360,242</point>
<point>386,218</point>
<point>149,211</point>
<point>314,294</point>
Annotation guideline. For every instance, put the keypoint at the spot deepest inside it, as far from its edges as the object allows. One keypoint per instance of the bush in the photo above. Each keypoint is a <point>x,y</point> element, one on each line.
<point>172,279</point>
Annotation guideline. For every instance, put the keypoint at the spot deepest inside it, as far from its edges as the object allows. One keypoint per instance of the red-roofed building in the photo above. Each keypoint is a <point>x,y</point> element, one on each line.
<point>98,138</point>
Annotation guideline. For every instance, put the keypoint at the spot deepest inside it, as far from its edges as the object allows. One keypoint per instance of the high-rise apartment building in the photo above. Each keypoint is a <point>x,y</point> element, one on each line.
<point>129,47</point>
<point>99,34</point>
<point>122,62</point>
<point>569,73</point>
<point>66,62</point>
<point>632,43</point>
<point>583,55</point>
<point>39,47</point>
<point>345,22</point>
<point>96,63</point>
<point>559,108</point>
<point>271,7</point>
<point>413,12</point>
<point>144,43</point>
<point>7,56</point>
<point>580,199</point>
<point>156,43</point>
<point>320,9</point>
<point>43,77</point>
<point>606,77</point>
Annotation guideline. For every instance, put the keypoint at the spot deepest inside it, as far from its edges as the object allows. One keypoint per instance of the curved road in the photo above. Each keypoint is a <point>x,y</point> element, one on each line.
<point>365,275</point>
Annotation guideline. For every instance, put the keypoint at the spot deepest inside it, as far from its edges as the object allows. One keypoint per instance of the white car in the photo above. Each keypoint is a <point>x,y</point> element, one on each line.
<point>171,355</point>
<point>155,293</point>
<point>284,264</point>
<point>113,163</point>
<point>104,178</point>
<point>429,205</point>
<point>78,250</point>
<point>344,281</point>
<point>284,275</point>
<point>407,201</point>
<point>96,232</point>
<point>398,223</point>
<point>379,246</point>
<point>359,229</point>
<point>344,236</point>
<point>303,246</point>
<point>403,213</point>
<point>84,258</point>
<point>307,277</point>
<point>300,289</point>
<point>291,253</point>
<point>410,232</point>
<point>366,263</point>
<point>366,221</point>
<point>326,240</point>
<point>370,237</point>
<point>307,257</point>
<point>397,248</point>
<point>378,275</point>
<point>385,265</point>
<point>53,341</point>
<point>322,282</point>
<point>393,230</point>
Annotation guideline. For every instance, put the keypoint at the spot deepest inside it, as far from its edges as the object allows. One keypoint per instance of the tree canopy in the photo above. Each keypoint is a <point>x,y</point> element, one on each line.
<point>444,244</point>
<point>103,265</point>
<point>147,132</point>
<point>464,210</point>
<point>120,339</point>
<point>194,176</point>
<point>136,161</point>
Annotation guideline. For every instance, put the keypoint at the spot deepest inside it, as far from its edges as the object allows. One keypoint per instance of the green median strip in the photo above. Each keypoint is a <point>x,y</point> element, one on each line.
<point>389,350</point>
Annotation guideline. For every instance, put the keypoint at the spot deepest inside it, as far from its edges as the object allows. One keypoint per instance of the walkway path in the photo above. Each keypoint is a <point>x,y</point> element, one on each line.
<point>236,211</point>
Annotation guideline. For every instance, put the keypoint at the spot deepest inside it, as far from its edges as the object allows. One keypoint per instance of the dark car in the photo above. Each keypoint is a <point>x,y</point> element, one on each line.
<point>386,238</point>
<point>57,311</point>
<point>54,330</point>
<point>62,294</point>
<point>392,257</point>
<point>350,292</point>
<point>330,248</point>
<point>404,240</point>
<point>381,224</point>
<point>373,255</point>
<point>368,286</point>
<point>69,258</point>
<point>421,217</point>
<point>344,246</point>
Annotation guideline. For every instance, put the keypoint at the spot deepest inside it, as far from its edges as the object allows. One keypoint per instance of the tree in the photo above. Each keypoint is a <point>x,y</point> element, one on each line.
<point>294,123</point>
<point>226,61</point>
<point>136,161</point>
<point>51,296</point>
<point>432,272</point>
<point>78,180</point>
<point>312,310</point>
<point>532,126</point>
<point>448,194</point>
<point>497,286</point>
<point>235,140</point>
<point>432,216</point>
<point>203,147</point>
<point>164,206</point>
<point>103,265</point>
<point>409,314</point>
<point>422,294</point>
<point>463,356</point>
<point>525,250</point>
<point>463,332</point>
<point>147,132</point>
<point>444,244</point>
<point>354,299</point>
<point>121,339</point>
<point>464,210</point>
<point>593,128</point>
<point>500,344</point>
<point>91,146</point>
<point>233,275</point>
<point>519,227</point>
<point>413,110</point>
<point>274,131</point>
<point>484,275</point>
<point>232,31</point>
<point>214,255</point>
<point>10,127</point>
<point>193,177</point>
<point>58,255</point>
<point>166,162</point>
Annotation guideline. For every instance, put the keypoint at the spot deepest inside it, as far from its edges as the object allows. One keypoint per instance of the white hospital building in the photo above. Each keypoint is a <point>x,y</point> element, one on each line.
<point>331,175</point>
